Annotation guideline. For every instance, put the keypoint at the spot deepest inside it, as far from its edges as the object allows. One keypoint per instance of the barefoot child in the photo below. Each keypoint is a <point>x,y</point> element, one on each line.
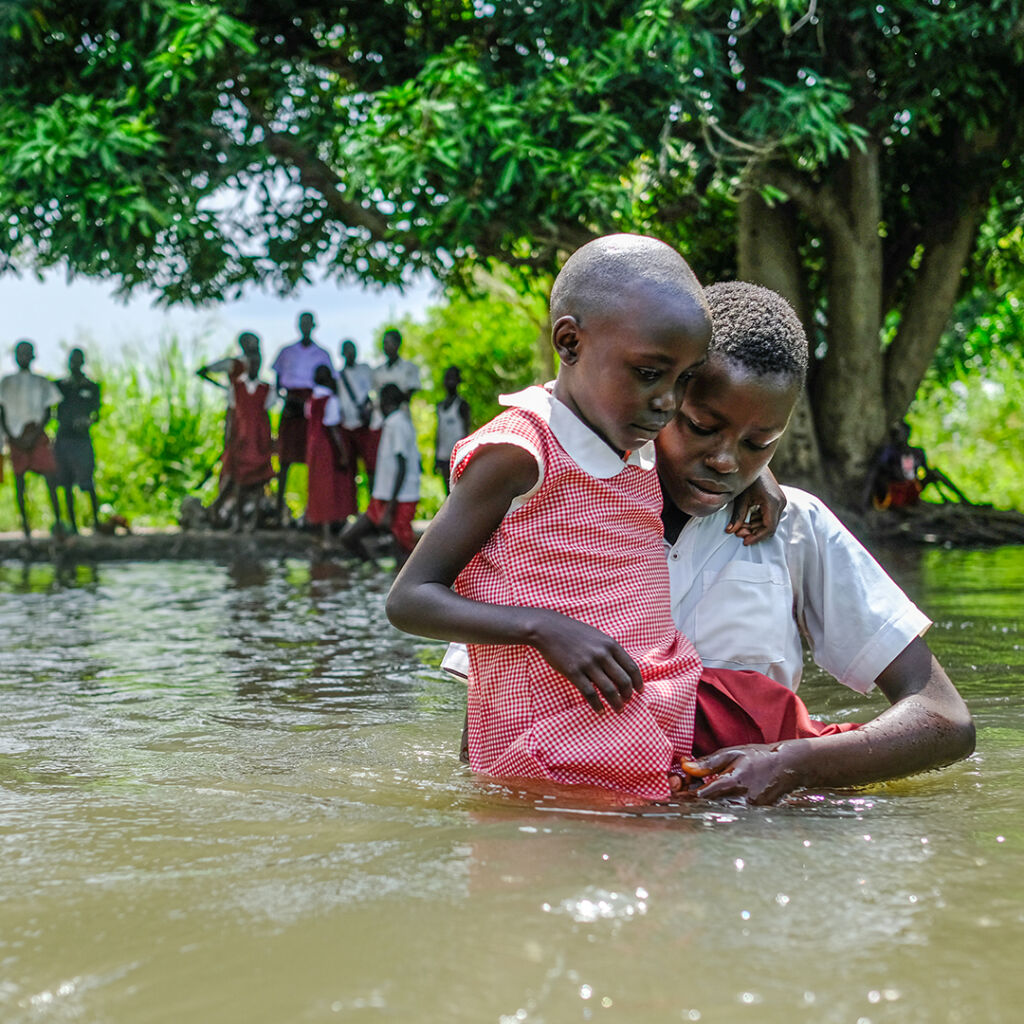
<point>76,461</point>
<point>552,539</point>
<point>26,405</point>
<point>332,486</point>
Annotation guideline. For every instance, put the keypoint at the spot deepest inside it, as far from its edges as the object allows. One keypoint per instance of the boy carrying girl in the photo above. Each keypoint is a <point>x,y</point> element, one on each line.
<point>552,541</point>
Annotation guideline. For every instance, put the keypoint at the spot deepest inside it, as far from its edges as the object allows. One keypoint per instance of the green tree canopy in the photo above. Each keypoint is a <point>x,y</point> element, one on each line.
<point>862,159</point>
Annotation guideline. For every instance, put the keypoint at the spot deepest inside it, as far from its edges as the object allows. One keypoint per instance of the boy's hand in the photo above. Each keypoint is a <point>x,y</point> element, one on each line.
<point>759,772</point>
<point>591,660</point>
<point>763,502</point>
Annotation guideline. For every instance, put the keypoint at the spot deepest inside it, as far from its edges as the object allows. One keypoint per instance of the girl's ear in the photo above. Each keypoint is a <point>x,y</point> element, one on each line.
<point>565,337</point>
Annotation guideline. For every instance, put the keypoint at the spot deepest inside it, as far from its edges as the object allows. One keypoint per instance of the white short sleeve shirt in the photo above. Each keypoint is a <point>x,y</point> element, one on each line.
<point>397,437</point>
<point>746,607</point>
<point>25,397</point>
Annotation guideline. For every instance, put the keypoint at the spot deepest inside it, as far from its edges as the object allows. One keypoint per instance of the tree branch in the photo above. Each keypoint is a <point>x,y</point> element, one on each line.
<point>932,298</point>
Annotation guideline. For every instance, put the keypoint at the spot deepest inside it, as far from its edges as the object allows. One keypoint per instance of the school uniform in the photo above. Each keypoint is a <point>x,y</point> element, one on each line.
<point>247,455</point>
<point>746,607</point>
<point>331,491</point>
<point>354,385</point>
<point>295,365</point>
<point>586,541</point>
<point>26,397</point>
<point>397,438</point>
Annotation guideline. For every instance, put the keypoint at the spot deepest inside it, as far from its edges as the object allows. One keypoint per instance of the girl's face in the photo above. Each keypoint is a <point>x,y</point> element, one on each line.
<point>723,435</point>
<point>623,374</point>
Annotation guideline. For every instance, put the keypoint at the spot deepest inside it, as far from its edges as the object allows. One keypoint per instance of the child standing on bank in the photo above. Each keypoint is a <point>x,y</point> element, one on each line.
<point>332,485</point>
<point>452,423</point>
<point>76,461</point>
<point>26,405</point>
<point>552,540</point>
<point>396,484</point>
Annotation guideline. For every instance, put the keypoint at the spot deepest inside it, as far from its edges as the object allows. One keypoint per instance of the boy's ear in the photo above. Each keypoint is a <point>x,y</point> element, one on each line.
<point>565,337</point>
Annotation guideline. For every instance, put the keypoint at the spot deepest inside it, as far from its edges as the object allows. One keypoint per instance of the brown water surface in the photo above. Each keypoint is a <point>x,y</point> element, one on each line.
<point>230,794</point>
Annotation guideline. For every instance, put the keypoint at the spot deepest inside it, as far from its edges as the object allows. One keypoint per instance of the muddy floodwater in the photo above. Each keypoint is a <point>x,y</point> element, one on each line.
<point>231,794</point>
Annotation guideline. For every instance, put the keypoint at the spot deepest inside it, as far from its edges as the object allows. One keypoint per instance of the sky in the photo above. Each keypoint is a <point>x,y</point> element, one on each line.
<point>56,315</point>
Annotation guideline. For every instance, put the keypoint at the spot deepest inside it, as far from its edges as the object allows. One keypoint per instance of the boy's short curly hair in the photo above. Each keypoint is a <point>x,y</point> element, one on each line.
<point>756,328</point>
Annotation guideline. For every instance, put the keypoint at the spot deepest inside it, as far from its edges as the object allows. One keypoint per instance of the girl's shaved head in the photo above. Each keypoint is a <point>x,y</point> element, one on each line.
<point>597,277</point>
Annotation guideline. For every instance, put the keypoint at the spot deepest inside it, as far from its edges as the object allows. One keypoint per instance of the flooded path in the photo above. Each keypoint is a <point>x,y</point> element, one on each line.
<point>230,794</point>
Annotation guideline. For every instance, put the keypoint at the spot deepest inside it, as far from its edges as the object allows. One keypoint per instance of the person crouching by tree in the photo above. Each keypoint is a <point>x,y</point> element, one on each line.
<point>78,411</point>
<point>332,484</point>
<point>396,485</point>
<point>246,464</point>
<point>26,401</point>
<point>452,424</point>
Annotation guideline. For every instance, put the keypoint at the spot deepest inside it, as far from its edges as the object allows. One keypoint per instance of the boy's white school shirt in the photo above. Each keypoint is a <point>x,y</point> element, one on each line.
<point>25,396</point>
<point>397,437</point>
<point>746,607</point>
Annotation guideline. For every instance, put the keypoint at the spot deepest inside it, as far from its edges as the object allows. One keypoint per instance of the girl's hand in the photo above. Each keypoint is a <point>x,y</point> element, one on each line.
<point>759,772</point>
<point>763,501</point>
<point>591,660</point>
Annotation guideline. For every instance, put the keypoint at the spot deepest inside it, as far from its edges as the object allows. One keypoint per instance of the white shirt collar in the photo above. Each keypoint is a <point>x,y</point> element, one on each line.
<point>582,445</point>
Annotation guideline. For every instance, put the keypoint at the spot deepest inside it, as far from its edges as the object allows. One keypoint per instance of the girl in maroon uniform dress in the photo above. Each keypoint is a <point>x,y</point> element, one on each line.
<point>332,487</point>
<point>246,465</point>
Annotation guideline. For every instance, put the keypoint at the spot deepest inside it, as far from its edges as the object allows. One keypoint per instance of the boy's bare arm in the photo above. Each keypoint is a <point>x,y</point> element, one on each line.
<point>927,726</point>
<point>422,601</point>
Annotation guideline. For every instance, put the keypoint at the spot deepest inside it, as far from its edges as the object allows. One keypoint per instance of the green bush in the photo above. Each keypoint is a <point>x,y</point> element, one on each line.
<point>972,427</point>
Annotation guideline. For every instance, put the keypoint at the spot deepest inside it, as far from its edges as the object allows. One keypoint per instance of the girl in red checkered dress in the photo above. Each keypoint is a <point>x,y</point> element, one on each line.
<point>547,559</point>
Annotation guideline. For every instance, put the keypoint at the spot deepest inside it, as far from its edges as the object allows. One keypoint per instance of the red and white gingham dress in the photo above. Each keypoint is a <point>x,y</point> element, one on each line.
<point>590,548</point>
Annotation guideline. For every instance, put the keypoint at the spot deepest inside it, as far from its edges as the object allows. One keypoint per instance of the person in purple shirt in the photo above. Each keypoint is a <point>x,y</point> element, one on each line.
<point>295,366</point>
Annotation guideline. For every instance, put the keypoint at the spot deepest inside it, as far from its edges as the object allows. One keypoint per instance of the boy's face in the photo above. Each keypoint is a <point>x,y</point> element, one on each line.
<point>348,352</point>
<point>452,379</point>
<point>723,435</point>
<point>623,373</point>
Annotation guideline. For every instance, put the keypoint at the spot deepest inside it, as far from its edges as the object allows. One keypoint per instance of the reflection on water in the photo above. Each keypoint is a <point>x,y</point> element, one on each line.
<point>231,794</point>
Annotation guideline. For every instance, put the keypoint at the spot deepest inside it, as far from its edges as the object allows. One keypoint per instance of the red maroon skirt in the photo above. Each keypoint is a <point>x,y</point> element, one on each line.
<point>39,458</point>
<point>735,708</point>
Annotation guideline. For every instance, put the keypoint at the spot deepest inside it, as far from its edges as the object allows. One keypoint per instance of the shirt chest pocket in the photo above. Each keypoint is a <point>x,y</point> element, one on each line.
<point>745,615</point>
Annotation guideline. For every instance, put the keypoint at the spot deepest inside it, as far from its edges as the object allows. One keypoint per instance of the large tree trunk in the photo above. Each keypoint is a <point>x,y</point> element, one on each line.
<point>767,254</point>
<point>848,397</point>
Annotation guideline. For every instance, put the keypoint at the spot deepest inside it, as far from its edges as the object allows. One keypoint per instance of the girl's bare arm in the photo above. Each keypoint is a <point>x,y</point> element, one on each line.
<point>422,601</point>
